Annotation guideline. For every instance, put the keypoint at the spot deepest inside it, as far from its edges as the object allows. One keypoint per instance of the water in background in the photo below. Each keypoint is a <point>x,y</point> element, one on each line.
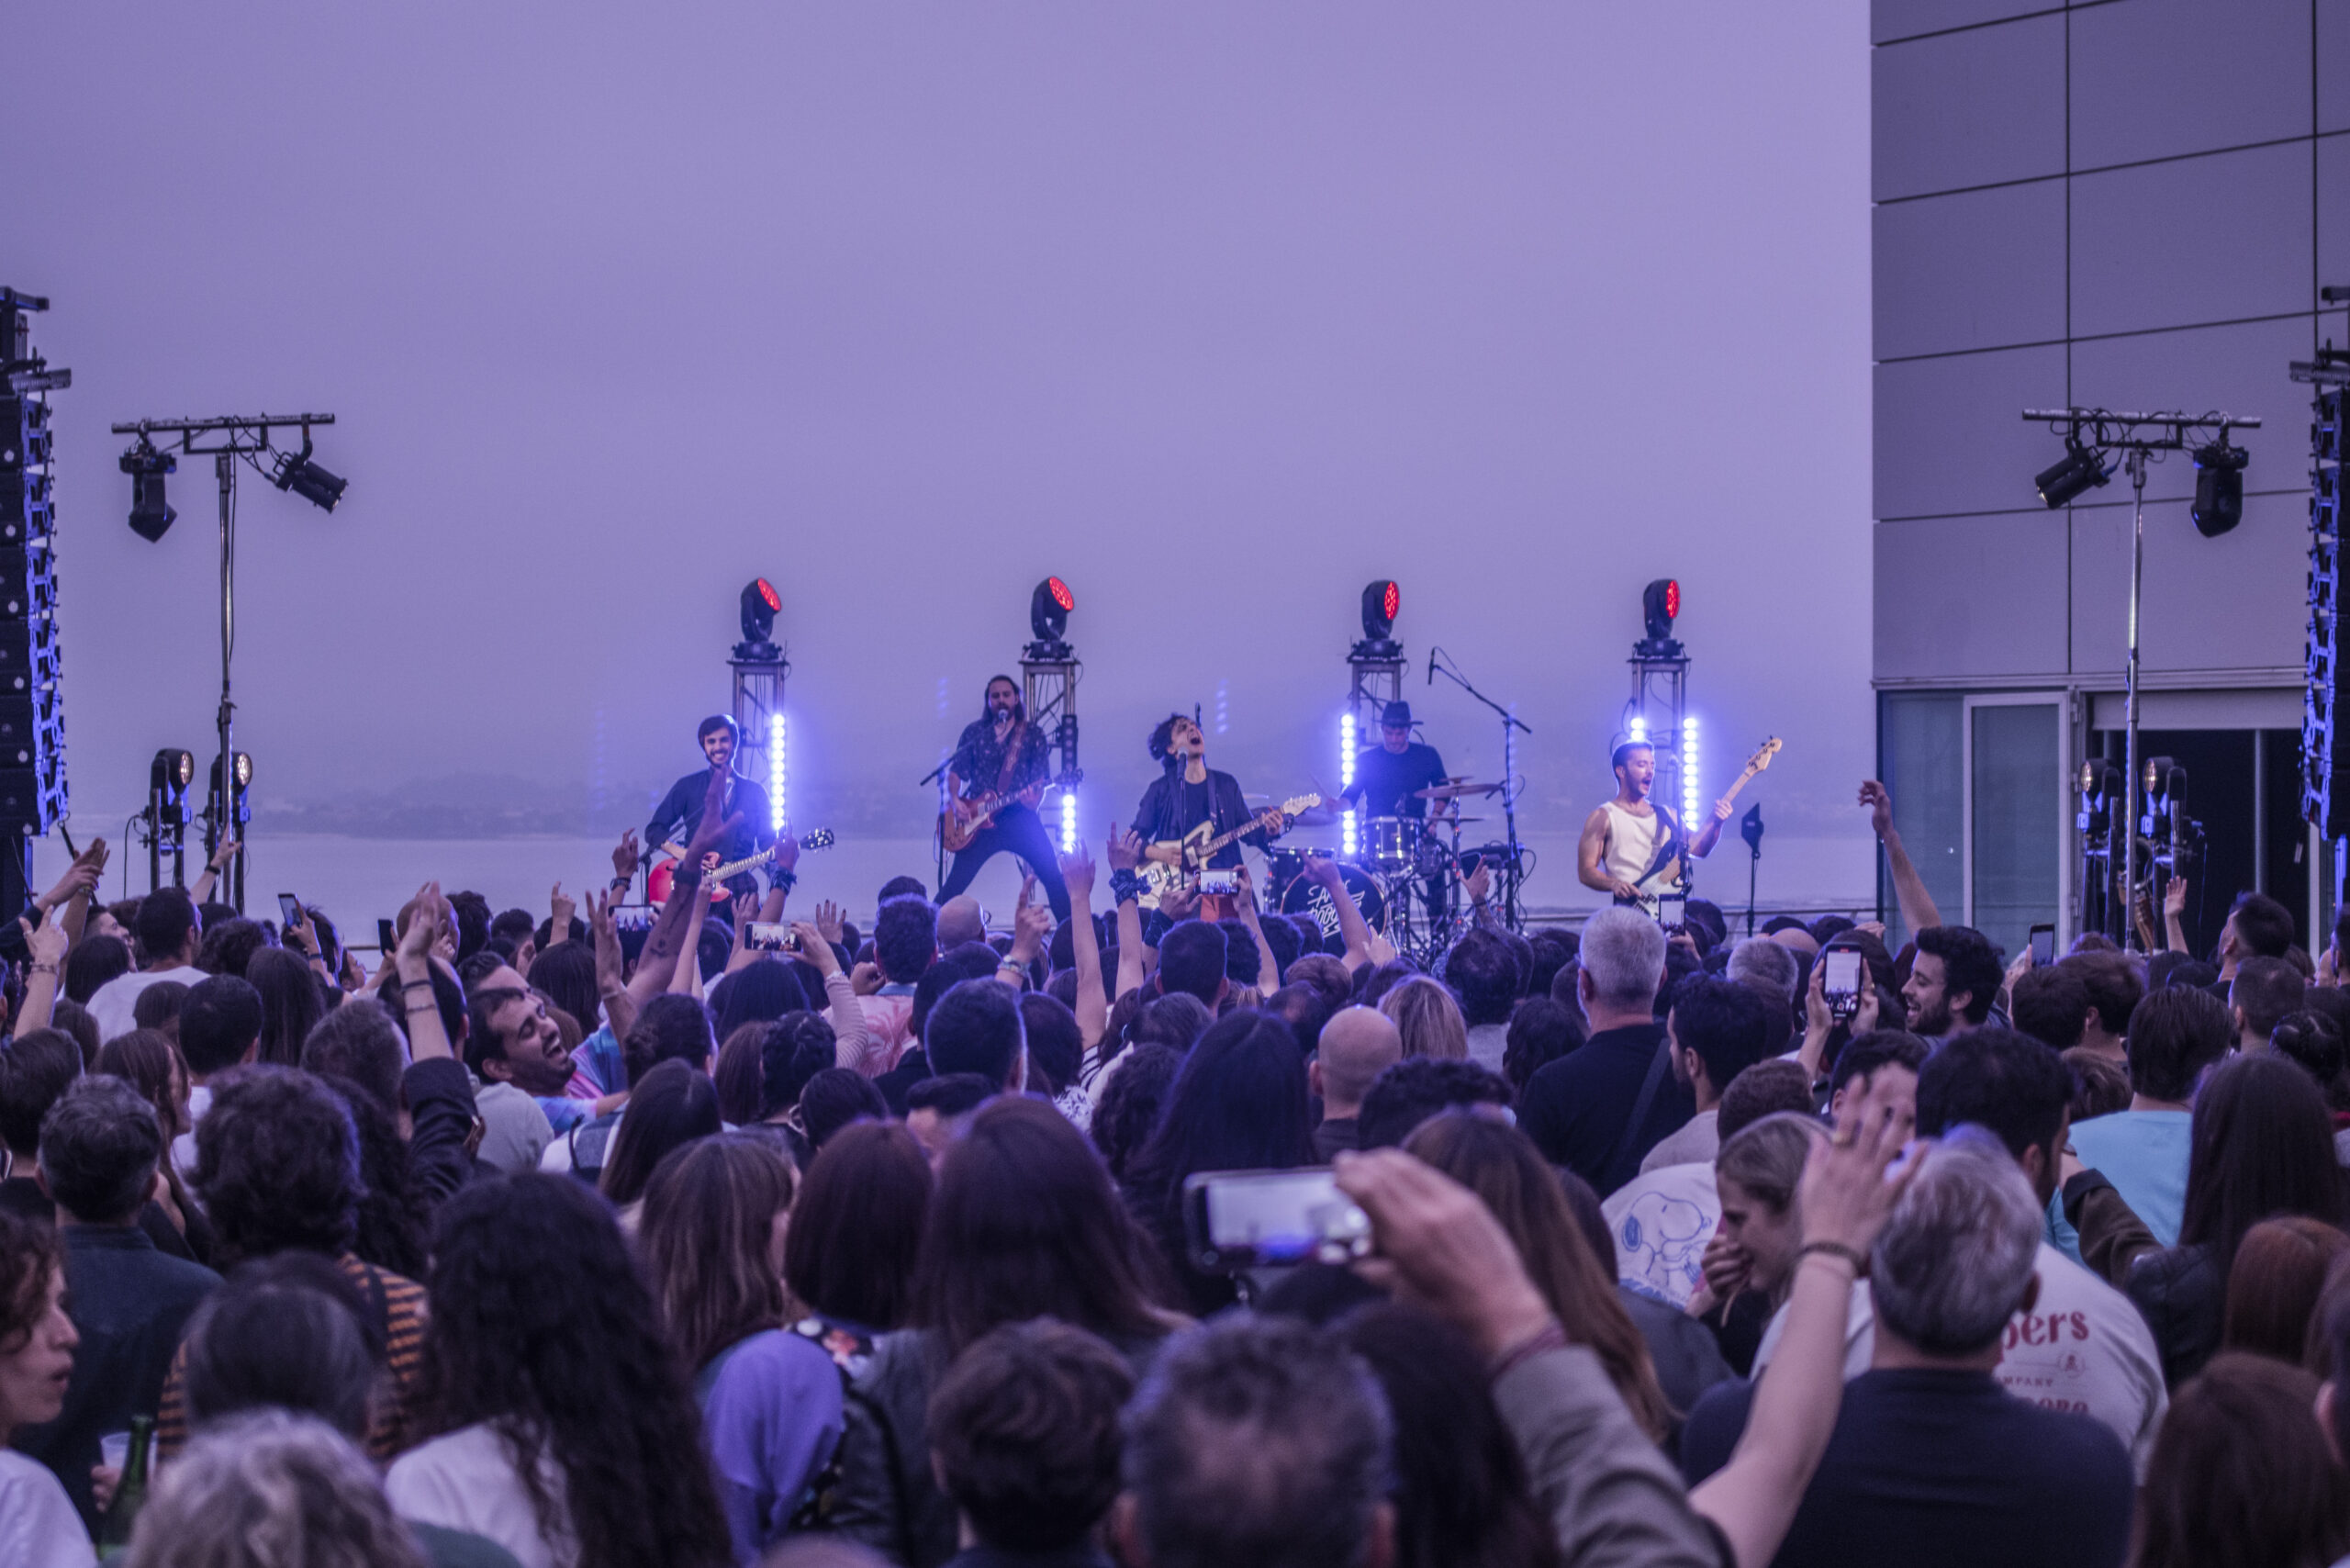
<point>357,879</point>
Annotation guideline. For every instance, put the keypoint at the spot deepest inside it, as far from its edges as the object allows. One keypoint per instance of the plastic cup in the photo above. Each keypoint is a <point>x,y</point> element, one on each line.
<point>114,1450</point>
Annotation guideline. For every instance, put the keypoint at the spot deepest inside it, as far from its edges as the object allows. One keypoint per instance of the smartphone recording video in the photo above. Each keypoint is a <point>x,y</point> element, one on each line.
<point>1219,884</point>
<point>289,911</point>
<point>1244,1219</point>
<point>633,916</point>
<point>387,938</point>
<point>1840,980</point>
<point>770,936</point>
<point>2043,946</point>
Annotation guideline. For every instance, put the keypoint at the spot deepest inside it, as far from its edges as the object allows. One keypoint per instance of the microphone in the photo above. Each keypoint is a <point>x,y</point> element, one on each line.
<point>1431,666</point>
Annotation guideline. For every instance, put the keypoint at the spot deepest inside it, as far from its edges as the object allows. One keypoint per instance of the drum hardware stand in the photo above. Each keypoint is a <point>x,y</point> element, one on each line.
<point>1750,827</point>
<point>1513,917</point>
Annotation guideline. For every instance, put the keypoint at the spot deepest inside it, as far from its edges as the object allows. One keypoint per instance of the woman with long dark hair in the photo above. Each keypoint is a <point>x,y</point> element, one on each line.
<point>1461,1497</point>
<point>38,1520</point>
<point>1024,1224</point>
<point>1502,1165</point>
<point>290,1004</point>
<point>715,1217</point>
<point>1238,1103</point>
<point>565,1427</point>
<point>675,1104</point>
<point>2261,1143</point>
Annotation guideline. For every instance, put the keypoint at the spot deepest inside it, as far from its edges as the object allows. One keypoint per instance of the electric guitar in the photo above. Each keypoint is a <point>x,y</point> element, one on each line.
<point>961,820</point>
<point>1202,843</point>
<point>664,875</point>
<point>1667,874</point>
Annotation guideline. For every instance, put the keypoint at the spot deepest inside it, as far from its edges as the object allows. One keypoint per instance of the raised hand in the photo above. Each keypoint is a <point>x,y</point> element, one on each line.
<point>817,949</point>
<point>1125,849</point>
<point>1880,806</point>
<point>1177,903</point>
<point>625,856</point>
<point>828,920</point>
<point>1246,894</point>
<point>1845,1197</point>
<point>1031,925</point>
<point>301,938</point>
<point>423,928</point>
<point>47,942</point>
<point>561,907</point>
<point>786,854</point>
<point>1323,871</point>
<point>1077,870</point>
<point>1478,883</point>
<point>746,910</point>
<point>713,829</point>
<point>226,853</point>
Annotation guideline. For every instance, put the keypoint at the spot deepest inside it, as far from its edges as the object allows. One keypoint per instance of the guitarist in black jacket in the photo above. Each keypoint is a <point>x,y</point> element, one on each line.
<point>680,813</point>
<point>1000,754</point>
<point>1188,793</point>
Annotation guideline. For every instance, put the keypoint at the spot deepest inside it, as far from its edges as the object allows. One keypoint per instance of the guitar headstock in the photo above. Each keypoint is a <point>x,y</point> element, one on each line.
<point>1763,753</point>
<point>1298,805</point>
<point>822,838</point>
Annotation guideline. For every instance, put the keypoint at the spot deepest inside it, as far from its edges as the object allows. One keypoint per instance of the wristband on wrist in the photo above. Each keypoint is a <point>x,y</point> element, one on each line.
<point>44,968</point>
<point>1125,884</point>
<point>1551,1338</point>
<point>1857,1259</point>
<point>623,883</point>
<point>787,880</point>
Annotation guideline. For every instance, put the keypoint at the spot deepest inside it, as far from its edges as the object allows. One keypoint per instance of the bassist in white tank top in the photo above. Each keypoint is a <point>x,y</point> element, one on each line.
<point>1620,838</point>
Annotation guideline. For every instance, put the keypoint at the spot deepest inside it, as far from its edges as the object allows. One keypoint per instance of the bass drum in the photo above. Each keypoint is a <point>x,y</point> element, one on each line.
<point>1311,898</point>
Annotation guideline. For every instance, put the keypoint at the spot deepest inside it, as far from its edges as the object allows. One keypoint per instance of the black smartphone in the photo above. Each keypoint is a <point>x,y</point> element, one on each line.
<point>2043,946</point>
<point>770,936</point>
<point>385,937</point>
<point>289,911</point>
<point>1840,980</point>
<point>1241,1219</point>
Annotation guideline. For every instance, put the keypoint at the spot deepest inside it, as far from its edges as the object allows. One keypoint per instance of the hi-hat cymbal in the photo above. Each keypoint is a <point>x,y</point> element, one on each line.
<point>1454,791</point>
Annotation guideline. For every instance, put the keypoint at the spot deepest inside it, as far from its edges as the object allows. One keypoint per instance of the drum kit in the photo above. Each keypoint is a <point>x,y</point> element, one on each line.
<point>1407,877</point>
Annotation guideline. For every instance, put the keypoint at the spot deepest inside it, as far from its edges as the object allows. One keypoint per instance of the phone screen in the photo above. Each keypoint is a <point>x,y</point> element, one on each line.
<point>1219,883</point>
<point>385,937</point>
<point>632,916</point>
<point>770,936</point>
<point>1237,1219</point>
<point>1843,974</point>
<point>2044,946</point>
<point>289,909</point>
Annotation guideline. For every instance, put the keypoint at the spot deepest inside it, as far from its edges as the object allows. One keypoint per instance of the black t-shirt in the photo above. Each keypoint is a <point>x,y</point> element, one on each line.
<point>1929,1467</point>
<point>1386,783</point>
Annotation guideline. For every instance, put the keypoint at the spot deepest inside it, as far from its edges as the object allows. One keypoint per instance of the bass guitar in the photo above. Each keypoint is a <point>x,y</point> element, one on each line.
<point>664,875</point>
<point>1666,881</point>
<point>1200,844</point>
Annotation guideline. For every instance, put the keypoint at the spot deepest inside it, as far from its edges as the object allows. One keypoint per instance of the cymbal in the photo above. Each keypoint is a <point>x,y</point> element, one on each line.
<point>1454,791</point>
<point>1463,821</point>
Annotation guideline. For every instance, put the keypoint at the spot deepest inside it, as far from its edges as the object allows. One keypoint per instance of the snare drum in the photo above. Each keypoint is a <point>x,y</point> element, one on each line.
<point>1391,846</point>
<point>1311,898</point>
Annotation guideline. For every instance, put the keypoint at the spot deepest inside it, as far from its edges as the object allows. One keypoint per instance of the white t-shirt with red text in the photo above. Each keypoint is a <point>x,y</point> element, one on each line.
<point>2082,1348</point>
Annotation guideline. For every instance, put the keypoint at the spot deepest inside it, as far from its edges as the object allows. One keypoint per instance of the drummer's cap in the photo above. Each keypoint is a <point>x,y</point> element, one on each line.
<point>1395,716</point>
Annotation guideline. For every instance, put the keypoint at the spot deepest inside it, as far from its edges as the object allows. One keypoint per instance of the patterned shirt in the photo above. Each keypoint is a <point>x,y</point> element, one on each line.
<point>978,757</point>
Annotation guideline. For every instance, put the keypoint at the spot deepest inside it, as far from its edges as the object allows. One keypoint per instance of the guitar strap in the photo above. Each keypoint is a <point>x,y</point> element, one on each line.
<point>1010,758</point>
<point>1648,1087</point>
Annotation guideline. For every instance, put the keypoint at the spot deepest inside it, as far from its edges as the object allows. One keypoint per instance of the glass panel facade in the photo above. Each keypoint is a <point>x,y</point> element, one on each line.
<point>2018,770</point>
<point>1922,765</point>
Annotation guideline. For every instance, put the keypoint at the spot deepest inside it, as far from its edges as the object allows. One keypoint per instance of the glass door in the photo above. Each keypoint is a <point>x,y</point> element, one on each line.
<point>2017,813</point>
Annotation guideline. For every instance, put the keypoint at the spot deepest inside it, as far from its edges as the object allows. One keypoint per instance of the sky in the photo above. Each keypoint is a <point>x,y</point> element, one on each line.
<point>1218,311</point>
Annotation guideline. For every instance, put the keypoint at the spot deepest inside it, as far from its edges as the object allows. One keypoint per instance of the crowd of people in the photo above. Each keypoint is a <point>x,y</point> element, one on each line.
<point>572,1242</point>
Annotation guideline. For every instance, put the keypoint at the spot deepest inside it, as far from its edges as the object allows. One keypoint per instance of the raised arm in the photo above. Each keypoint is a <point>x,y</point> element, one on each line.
<point>1125,855</point>
<point>1917,910</point>
<point>611,989</point>
<point>427,1039</point>
<point>680,923</point>
<point>1248,902</point>
<point>1092,1008</point>
<point>218,863</point>
<point>1711,834</point>
<point>1351,925</point>
<point>47,944</point>
<point>68,903</point>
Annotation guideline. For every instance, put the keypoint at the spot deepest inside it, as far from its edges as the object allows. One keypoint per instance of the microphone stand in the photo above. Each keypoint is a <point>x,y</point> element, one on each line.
<point>1511,723</point>
<point>939,837</point>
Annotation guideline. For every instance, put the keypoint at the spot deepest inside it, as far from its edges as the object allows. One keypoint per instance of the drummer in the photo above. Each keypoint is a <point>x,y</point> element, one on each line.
<point>1389,777</point>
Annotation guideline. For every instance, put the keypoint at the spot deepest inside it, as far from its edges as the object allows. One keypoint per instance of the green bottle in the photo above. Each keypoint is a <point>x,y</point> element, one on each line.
<point>131,1495</point>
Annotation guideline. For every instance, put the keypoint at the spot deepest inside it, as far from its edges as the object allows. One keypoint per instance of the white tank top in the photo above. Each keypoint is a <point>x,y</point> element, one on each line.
<point>1630,841</point>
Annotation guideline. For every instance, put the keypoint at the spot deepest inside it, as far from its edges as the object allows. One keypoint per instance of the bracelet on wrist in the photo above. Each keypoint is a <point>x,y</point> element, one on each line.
<point>1550,1338</point>
<point>425,984</point>
<point>1857,1259</point>
<point>44,968</point>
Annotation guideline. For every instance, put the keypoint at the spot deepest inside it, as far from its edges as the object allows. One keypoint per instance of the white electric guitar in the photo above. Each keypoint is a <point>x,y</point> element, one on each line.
<point>1200,844</point>
<point>1668,873</point>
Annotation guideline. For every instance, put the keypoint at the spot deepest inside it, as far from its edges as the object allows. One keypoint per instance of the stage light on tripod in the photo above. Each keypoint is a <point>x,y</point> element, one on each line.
<point>151,516</point>
<point>1660,606</point>
<point>1049,608</point>
<point>1346,844</point>
<point>305,478</point>
<point>778,770</point>
<point>1689,772</point>
<point>760,604</point>
<point>2219,488</point>
<point>1382,602</point>
<point>172,771</point>
<point>2081,468</point>
<point>1068,821</point>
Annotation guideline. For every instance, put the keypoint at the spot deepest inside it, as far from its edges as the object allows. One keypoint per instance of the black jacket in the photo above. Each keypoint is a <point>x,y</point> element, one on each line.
<point>2180,1292</point>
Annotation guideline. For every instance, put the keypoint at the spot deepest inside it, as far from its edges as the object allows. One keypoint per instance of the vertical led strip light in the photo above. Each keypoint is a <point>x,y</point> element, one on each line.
<point>1689,772</point>
<point>779,773</point>
<point>1068,821</point>
<point>1346,781</point>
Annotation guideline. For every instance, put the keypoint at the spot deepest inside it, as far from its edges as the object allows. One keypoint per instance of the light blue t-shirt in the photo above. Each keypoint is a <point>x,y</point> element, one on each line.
<point>2143,1154</point>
